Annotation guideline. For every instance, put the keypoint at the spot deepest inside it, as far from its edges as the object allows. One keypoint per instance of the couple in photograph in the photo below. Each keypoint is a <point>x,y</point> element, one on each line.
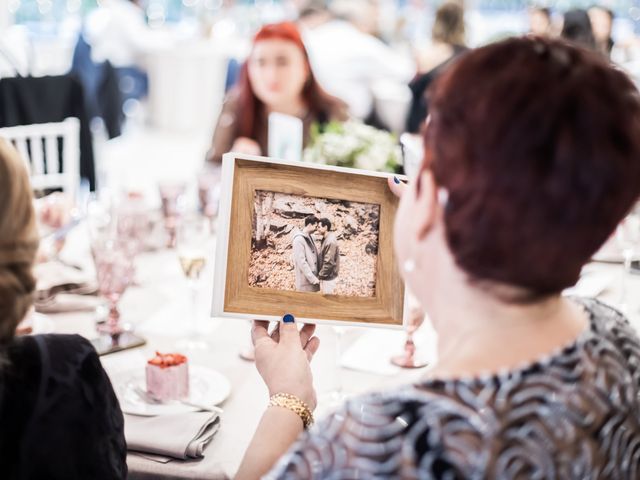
<point>316,271</point>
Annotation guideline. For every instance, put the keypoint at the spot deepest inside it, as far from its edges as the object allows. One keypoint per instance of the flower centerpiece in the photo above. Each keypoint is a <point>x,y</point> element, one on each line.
<point>354,144</point>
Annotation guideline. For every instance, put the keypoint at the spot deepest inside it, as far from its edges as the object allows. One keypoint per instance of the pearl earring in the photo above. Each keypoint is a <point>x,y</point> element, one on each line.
<point>409,266</point>
<point>443,197</point>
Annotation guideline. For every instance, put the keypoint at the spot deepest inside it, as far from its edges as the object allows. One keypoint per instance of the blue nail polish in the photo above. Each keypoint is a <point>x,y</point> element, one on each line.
<point>288,318</point>
<point>396,180</point>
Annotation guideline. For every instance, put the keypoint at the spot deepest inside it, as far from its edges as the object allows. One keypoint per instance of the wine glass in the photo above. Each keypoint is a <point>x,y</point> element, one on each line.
<point>332,399</point>
<point>114,270</point>
<point>172,198</point>
<point>409,359</point>
<point>248,352</point>
<point>192,241</point>
<point>628,240</point>
<point>209,192</point>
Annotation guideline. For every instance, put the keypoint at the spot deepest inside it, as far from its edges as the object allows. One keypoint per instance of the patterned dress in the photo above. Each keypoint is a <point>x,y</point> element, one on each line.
<point>572,415</point>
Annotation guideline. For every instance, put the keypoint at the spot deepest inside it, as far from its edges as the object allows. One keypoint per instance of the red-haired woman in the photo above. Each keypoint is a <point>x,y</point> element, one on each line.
<point>277,77</point>
<point>532,156</point>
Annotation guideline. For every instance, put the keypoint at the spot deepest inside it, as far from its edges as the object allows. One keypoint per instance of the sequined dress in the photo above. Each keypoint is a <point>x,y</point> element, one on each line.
<point>572,415</point>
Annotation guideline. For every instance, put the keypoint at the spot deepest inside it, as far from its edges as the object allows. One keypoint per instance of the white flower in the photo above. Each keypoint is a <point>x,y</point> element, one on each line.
<point>354,144</point>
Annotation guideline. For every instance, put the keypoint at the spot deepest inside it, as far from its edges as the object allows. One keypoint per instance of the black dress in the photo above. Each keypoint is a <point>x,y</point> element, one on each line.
<point>419,108</point>
<point>59,416</point>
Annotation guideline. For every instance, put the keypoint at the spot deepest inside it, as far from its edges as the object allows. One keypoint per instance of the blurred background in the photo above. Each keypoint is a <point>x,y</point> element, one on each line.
<point>154,72</point>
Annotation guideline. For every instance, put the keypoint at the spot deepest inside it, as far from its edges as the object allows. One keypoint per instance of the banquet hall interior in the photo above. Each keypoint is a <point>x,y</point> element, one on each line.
<point>122,114</point>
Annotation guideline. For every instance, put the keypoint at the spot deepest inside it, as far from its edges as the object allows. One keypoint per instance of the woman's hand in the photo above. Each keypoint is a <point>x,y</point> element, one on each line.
<point>283,357</point>
<point>397,186</point>
<point>246,145</point>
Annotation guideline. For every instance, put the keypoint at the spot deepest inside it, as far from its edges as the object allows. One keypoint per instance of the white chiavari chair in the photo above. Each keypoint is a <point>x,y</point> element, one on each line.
<point>39,146</point>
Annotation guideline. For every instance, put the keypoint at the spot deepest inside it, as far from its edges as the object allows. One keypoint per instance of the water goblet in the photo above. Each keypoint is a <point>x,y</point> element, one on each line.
<point>114,270</point>
<point>409,359</point>
<point>172,198</point>
<point>209,192</point>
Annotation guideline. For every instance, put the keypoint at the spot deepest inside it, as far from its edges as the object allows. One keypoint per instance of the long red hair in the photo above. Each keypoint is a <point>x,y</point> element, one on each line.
<point>319,102</point>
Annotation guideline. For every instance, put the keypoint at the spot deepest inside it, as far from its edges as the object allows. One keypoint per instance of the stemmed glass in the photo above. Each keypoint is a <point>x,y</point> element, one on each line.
<point>113,261</point>
<point>192,240</point>
<point>114,269</point>
<point>209,192</point>
<point>628,240</point>
<point>172,197</point>
<point>409,359</point>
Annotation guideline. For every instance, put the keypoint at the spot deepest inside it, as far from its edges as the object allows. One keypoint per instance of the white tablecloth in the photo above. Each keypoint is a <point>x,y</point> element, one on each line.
<point>157,307</point>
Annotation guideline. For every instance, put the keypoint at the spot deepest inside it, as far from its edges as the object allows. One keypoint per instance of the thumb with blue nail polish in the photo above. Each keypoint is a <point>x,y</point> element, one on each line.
<point>282,359</point>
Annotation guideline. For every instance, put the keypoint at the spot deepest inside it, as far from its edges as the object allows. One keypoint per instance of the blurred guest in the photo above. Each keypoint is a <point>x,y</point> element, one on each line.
<point>577,28</point>
<point>277,77</point>
<point>602,24</point>
<point>540,21</point>
<point>348,61</point>
<point>117,31</point>
<point>447,37</point>
<point>448,42</point>
<point>60,417</point>
<point>532,157</point>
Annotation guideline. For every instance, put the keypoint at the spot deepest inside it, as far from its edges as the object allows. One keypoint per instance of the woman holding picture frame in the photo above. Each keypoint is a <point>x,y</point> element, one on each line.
<point>276,78</point>
<point>532,157</point>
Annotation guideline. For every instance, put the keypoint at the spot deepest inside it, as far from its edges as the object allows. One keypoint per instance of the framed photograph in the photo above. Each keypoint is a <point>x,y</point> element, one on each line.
<point>311,240</point>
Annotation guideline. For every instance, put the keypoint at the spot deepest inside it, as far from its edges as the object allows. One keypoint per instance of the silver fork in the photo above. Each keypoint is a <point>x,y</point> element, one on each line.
<point>150,398</point>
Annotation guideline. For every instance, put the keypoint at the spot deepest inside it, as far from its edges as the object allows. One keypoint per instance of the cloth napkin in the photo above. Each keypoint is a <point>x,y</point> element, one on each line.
<point>63,288</point>
<point>165,437</point>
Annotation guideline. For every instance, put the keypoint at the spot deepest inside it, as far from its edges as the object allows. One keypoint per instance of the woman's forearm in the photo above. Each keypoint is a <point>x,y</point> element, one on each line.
<point>276,432</point>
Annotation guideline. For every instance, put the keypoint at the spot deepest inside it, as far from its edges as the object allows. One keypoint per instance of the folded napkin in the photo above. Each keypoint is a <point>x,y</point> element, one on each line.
<point>63,288</point>
<point>161,438</point>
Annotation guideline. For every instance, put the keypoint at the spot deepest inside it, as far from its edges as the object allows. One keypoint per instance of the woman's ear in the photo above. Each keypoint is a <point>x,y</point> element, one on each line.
<point>425,202</point>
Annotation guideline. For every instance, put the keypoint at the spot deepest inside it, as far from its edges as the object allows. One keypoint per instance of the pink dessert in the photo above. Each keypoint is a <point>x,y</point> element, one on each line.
<point>168,376</point>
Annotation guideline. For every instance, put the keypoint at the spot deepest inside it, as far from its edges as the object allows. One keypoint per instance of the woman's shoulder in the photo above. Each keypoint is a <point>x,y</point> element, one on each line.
<point>61,348</point>
<point>37,349</point>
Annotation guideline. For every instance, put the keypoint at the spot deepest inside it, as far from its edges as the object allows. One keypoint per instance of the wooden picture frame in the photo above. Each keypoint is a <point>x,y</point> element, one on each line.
<point>233,296</point>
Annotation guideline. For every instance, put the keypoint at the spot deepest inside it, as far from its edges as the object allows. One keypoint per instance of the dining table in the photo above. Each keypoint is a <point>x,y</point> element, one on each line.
<point>352,361</point>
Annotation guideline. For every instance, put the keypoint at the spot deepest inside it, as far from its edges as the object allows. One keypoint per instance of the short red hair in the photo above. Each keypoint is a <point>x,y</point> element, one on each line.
<point>538,145</point>
<point>318,101</point>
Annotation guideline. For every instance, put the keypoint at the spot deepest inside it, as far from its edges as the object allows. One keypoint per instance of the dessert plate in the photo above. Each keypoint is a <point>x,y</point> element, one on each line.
<point>206,387</point>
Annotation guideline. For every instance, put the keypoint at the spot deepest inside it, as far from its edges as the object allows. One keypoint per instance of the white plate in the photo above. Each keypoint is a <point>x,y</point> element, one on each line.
<point>206,387</point>
<point>42,323</point>
<point>611,253</point>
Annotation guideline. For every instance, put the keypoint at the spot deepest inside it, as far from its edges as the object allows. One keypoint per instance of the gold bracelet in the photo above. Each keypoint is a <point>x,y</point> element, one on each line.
<point>293,403</point>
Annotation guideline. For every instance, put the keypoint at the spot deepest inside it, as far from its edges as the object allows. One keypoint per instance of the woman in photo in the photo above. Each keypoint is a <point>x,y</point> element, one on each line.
<point>532,157</point>
<point>329,257</point>
<point>277,77</point>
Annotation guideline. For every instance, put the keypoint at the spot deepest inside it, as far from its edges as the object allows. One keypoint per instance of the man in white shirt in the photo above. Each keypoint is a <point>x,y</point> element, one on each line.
<point>347,61</point>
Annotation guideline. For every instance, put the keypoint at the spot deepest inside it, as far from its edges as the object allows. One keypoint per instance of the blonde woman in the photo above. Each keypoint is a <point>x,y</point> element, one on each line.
<point>59,417</point>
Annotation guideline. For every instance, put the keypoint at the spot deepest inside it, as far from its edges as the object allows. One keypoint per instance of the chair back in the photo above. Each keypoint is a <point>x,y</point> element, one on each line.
<point>52,153</point>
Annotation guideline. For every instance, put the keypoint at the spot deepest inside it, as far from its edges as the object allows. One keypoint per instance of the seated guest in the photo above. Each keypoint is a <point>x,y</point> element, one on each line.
<point>59,416</point>
<point>540,21</point>
<point>348,61</point>
<point>532,157</point>
<point>602,24</point>
<point>577,28</point>
<point>448,42</point>
<point>277,77</point>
